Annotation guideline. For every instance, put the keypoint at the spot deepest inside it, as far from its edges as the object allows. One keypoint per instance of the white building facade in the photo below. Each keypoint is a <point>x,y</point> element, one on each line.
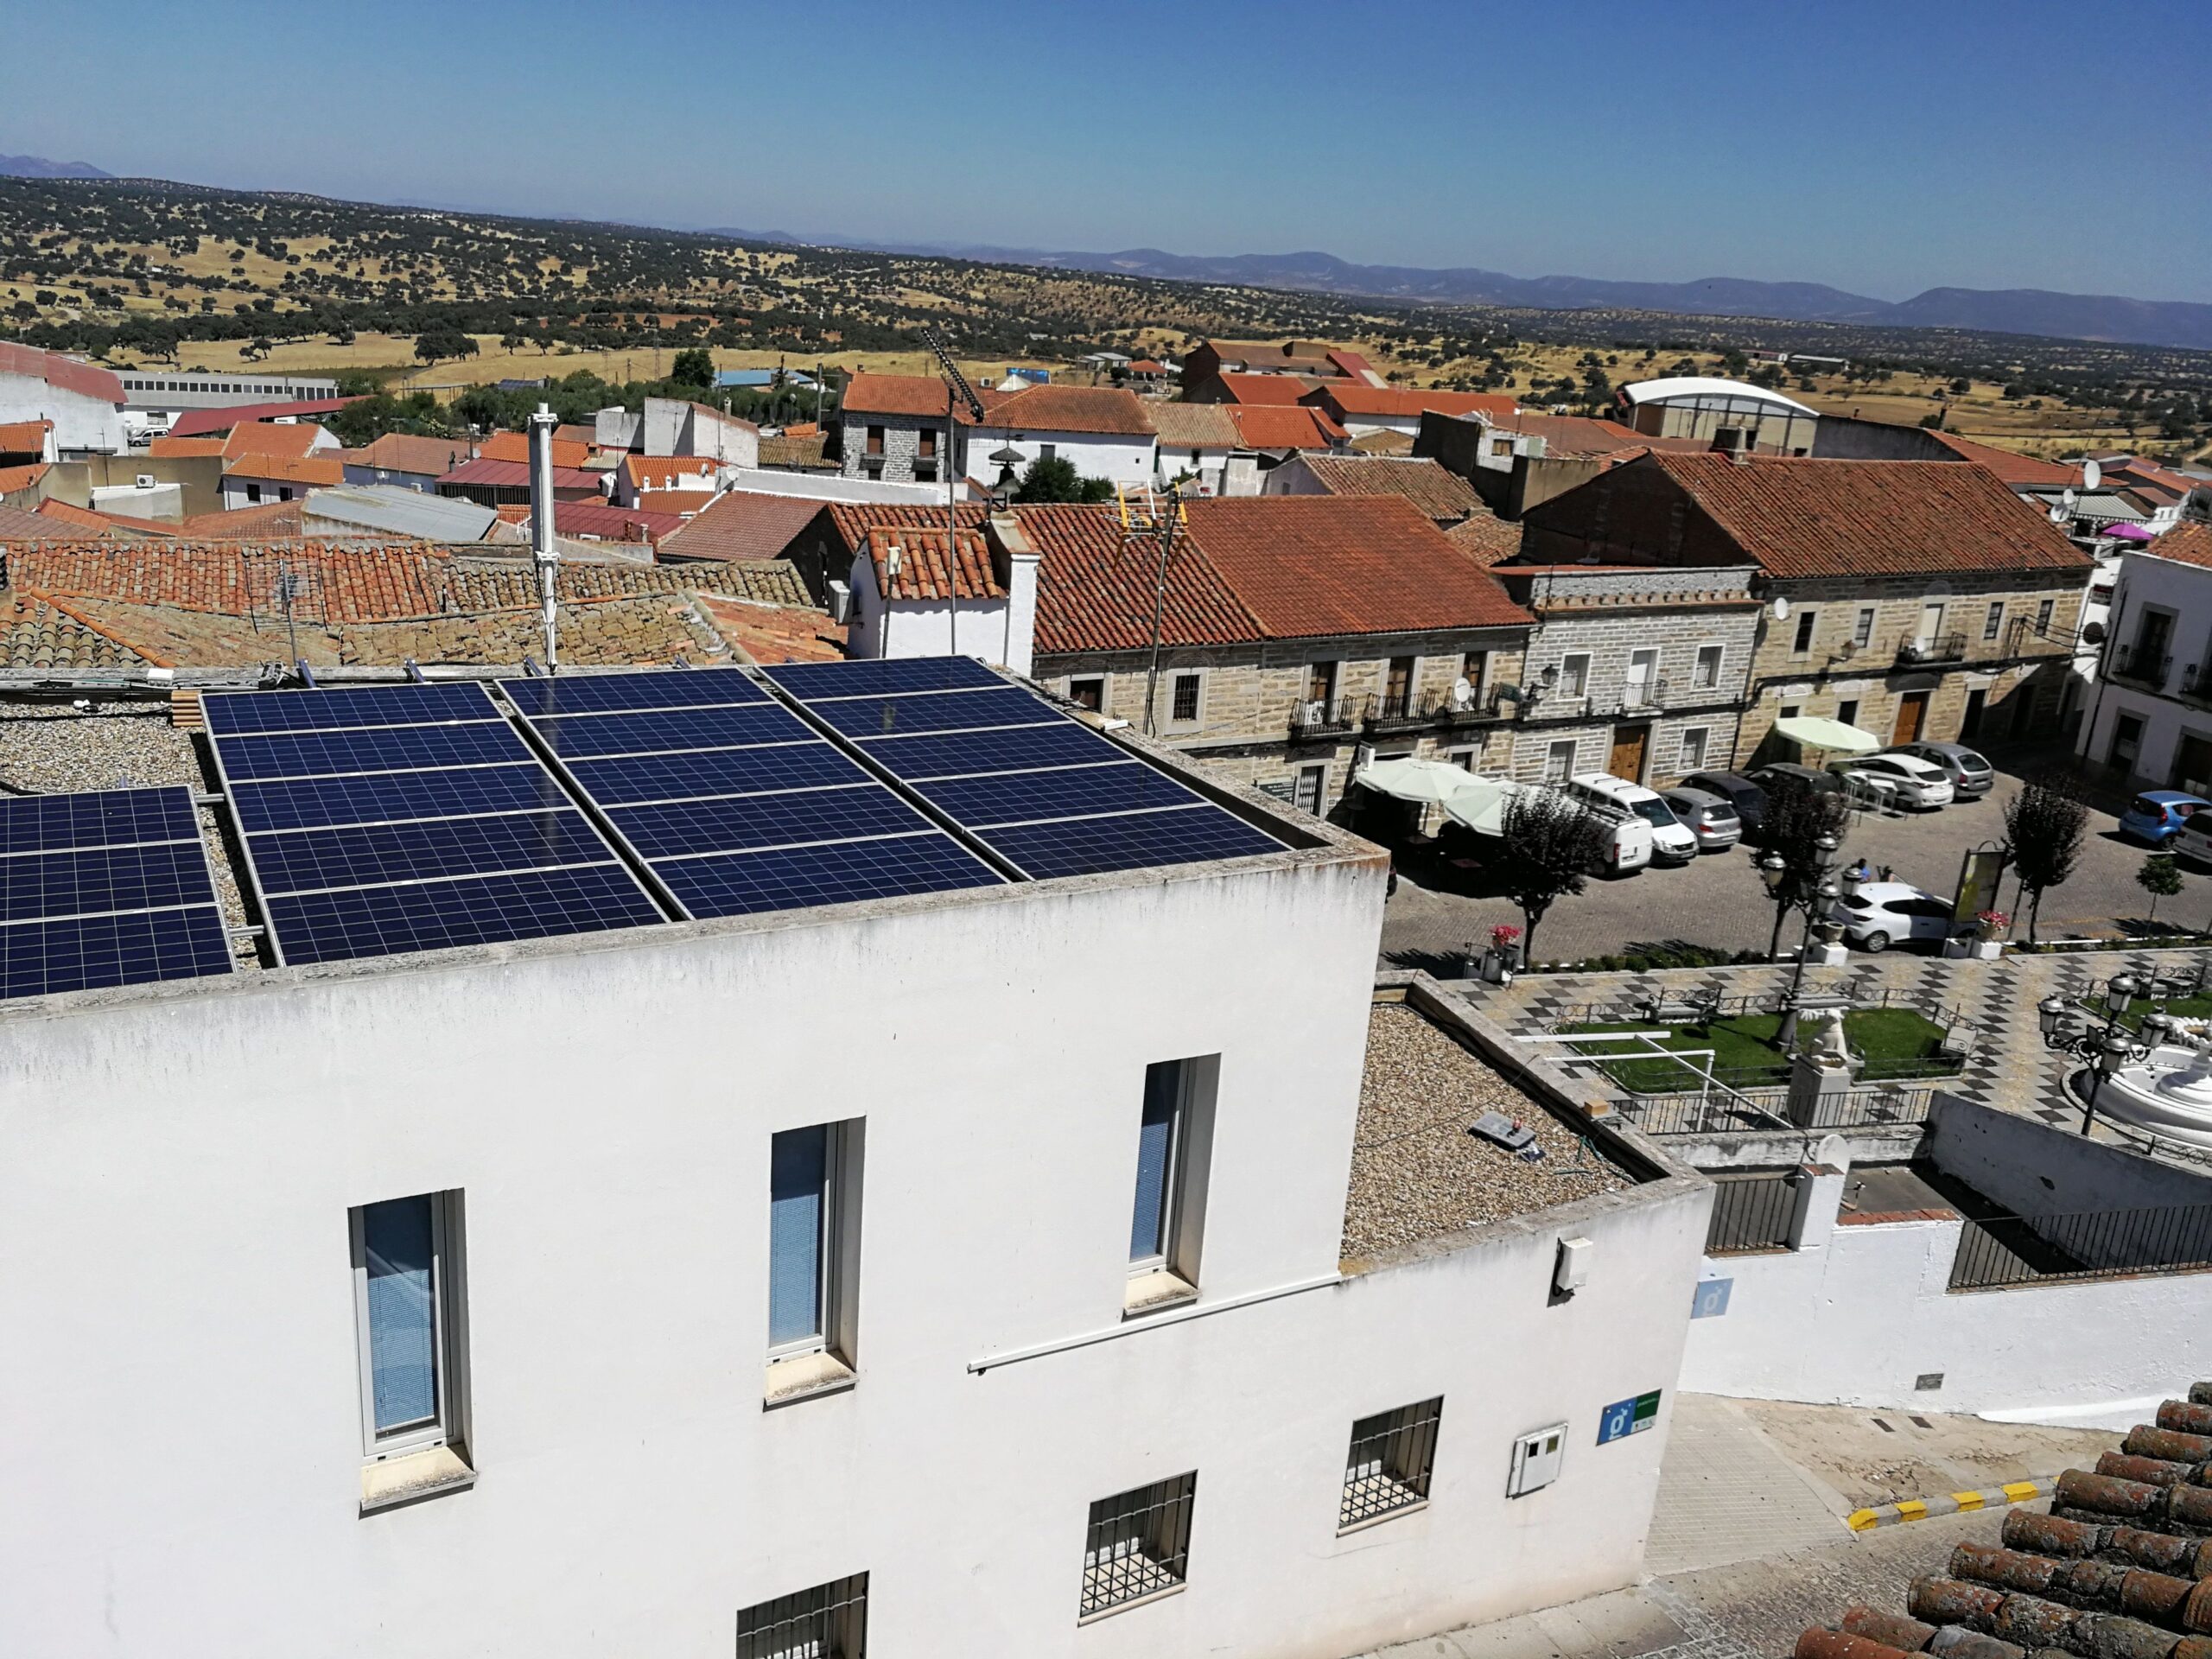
<point>84,401</point>
<point>2149,719</point>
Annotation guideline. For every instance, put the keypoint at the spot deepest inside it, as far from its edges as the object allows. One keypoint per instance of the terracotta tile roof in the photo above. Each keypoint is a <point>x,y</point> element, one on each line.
<point>514,475</point>
<point>1285,426</point>
<point>36,633</point>
<point>1196,426</point>
<point>917,395</point>
<point>1349,397</point>
<point>1110,409</point>
<point>406,452</point>
<point>2187,542</point>
<point>1263,388</point>
<point>2014,469</point>
<point>852,520</point>
<point>1094,588</point>
<point>928,567</point>
<point>22,478</point>
<point>1383,442</point>
<point>253,524</point>
<point>1444,496</point>
<point>22,525</point>
<point>1282,354</point>
<point>774,633</point>
<point>311,470</point>
<point>1350,364</point>
<point>1486,538</point>
<point>1802,519</point>
<point>114,523</point>
<point>197,422</point>
<point>268,438</point>
<point>796,451</point>
<point>65,372</point>
<point>1315,565</point>
<point>671,472</point>
<point>515,445</point>
<point>1578,435</point>
<point>742,524</point>
<point>599,520</point>
<point>175,447</point>
<point>25,437</point>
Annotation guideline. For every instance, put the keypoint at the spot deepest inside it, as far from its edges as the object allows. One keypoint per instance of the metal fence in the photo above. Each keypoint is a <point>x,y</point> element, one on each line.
<point>1767,1107</point>
<point>1750,1212</point>
<point>827,1622</point>
<point>1995,1251</point>
<point>1387,1467</point>
<point>1139,1543</point>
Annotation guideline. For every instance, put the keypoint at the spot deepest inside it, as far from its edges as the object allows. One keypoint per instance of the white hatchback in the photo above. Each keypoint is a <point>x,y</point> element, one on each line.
<point>1882,912</point>
<point>1913,782</point>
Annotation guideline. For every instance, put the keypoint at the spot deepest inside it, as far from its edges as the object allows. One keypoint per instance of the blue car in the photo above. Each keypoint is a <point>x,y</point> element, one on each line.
<point>2156,815</point>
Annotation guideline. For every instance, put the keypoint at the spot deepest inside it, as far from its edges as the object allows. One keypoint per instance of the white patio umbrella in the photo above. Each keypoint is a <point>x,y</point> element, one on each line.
<point>1480,803</point>
<point>1426,783</point>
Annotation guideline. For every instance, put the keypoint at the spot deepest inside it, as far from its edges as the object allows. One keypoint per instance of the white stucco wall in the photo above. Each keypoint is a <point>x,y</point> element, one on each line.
<point>182,1455</point>
<point>82,425</point>
<point>2184,590</point>
<point>992,630</point>
<point>1119,458</point>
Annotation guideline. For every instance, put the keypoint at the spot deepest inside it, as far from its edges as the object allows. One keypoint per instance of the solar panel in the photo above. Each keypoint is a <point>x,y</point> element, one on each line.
<point>229,713</point>
<point>107,887</point>
<point>740,806</point>
<point>817,682</point>
<point>698,688</point>
<point>409,818</point>
<point>1047,794</point>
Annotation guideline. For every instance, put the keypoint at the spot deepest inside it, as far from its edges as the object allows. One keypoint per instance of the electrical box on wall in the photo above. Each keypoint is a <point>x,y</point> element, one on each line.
<point>1536,1460</point>
<point>1570,1271</point>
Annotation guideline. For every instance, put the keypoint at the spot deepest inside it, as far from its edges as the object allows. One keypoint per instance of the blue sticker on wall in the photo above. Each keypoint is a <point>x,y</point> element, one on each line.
<point>1710,1299</point>
<point>1626,1417</point>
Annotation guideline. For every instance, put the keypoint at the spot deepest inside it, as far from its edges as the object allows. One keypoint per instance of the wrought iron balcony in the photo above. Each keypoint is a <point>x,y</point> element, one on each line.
<point>1326,717</point>
<point>2144,664</point>
<point>1932,648</point>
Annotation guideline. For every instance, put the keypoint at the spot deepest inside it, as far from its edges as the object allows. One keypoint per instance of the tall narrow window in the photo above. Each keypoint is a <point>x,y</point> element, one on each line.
<point>875,440</point>
<point>1398,688</point>
<point>798,1233</point>
<point>1994,620</point>
<point>1321,682</point>
<point>1803,640</point>
<point>1185,710</point>
<point>2043,617</point>
<point>1708,666</point>
<point>1167,1218</point>
<point>1574,674</point>
<point>1157,1135</point>
<point>407,1292</point>
<point>1862,630</point>
<point>1559,761</point>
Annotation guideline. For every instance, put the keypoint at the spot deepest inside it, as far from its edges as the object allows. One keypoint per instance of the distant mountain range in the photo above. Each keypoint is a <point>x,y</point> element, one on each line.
<point>2010,311</point>
<point>37,166</point>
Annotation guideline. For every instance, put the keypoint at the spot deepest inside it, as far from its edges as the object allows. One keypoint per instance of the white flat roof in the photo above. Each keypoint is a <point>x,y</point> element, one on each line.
<point>1704,385</point>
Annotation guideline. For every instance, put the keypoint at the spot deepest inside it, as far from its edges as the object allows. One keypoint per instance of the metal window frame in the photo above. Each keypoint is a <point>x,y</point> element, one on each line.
<point>1862,628</point>
<point>828,1231</point>
<point>443,1428</point>
<point>1319,772</point>
<point>1149,1524</point>
<point>1993,621</point>
<point>1403,1441</point>
<point>832,1617</point>
<point>1551,752</point>
<point>1170,1178</point>
<point>1808,632</point>
<point>1196,680</point>
<point>1699,680</point>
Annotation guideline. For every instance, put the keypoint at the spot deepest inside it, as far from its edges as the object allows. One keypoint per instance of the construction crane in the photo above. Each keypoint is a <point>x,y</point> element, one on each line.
<point>958,391</point>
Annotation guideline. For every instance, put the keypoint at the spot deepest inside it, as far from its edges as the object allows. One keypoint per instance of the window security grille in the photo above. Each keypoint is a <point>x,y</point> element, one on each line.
<point>1139,1543</point>
<point>827,1622</point>
<point>1389,1466</point>
<point>1186,696</point>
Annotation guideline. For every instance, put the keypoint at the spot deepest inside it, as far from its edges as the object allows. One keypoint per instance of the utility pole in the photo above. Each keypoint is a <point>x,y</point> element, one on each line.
<point>958,391</point>
<point>1164,524</point>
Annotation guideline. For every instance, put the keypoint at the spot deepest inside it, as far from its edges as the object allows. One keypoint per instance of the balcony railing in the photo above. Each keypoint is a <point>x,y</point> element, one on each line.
<point>1932,648</point>
<point>1316,717</point>
<point>2196,683</point>
<point>2145,664</point>
<point>1323,716</point>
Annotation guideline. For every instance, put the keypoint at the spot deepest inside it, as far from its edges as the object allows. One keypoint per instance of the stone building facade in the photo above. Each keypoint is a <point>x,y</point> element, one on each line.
<point>1641,673</point>
<point>899,429</point>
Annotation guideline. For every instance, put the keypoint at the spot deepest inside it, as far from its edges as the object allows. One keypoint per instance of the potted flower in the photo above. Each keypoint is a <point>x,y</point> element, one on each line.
<point>1504,956</point>
<point>1989,924</point>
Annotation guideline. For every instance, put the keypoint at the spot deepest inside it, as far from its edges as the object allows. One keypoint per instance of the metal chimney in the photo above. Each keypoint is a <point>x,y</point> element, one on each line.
<point>542,546</point>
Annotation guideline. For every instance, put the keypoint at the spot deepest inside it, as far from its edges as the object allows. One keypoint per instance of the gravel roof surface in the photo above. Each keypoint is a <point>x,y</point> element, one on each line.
<point>56,750</point>
<point>1418,1172</point>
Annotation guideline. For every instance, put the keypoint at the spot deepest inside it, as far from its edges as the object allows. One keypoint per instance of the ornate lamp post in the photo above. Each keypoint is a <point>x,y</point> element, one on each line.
<point>2102,1052</point>
<point>1817,896</point>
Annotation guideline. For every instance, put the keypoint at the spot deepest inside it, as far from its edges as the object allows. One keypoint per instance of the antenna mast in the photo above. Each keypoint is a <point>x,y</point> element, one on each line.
<point>543,550</point>
<point>958,391</point>
<point>1162,525</point>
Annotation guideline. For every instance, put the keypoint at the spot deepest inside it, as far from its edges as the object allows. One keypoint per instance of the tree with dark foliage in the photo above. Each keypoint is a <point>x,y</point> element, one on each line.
<point>1552,844</point>
<point>2044,825</point>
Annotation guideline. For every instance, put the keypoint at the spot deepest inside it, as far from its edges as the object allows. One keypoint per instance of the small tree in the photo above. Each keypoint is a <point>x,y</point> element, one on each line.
<point>1796,819</point>
<point>2160,877</point>
<point>1552,844</point>
<point>1057,480</point>
<point>2044,824</point>
<point>693,367</point>
<point>441,345</point>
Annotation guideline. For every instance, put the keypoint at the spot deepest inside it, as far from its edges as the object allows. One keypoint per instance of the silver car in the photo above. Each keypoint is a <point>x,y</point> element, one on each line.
<point>1972,777</point>
<point>1711,819</point>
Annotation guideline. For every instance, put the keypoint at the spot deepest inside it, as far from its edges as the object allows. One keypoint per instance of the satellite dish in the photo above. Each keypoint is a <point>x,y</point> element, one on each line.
<point>1781,607</point>
<point>2068,499</point>
<point>2092,474</point>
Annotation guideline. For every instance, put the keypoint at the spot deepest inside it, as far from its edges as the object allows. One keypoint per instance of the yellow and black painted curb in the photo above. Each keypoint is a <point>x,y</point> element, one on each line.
<point>1919,1509</point>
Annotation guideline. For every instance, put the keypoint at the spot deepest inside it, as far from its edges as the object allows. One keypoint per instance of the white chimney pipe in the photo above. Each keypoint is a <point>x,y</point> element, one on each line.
<point>542,546</point>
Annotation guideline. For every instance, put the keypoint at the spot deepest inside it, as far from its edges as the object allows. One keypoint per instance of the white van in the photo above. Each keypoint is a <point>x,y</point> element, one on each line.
<point>1628,845</point>
<point>1611,796</point>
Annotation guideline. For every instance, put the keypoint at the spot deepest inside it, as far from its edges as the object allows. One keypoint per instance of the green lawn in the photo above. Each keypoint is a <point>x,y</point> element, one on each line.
<point>2187,1007</point>
<point>1895,1043</point>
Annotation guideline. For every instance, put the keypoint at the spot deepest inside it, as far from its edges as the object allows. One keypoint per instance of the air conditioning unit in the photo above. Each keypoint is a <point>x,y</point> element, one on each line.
<point>145,480</point>
<point>840,603</point>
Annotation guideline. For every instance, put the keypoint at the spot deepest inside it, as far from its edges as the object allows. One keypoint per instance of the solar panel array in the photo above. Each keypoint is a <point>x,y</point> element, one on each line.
<point>110,887</point>
<point>408,817</point>
<point>1044,792</point>
<point>736,804</point>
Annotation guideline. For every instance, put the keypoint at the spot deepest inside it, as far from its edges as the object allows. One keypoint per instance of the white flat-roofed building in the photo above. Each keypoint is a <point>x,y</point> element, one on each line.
<point>956,1269</point>
<point>177,389</point>
<point>1727,414</point>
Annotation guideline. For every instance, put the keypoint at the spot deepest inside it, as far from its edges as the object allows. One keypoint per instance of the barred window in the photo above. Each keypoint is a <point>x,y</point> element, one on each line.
<point>827,1622</point>
<point>1139,1543</point>
<point>1389,1466</point>
<point>1187,697</point>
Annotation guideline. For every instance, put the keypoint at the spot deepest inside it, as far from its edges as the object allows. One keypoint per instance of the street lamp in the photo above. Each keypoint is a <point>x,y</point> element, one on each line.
<point>1817,904</point>
<point>2103,1053</point>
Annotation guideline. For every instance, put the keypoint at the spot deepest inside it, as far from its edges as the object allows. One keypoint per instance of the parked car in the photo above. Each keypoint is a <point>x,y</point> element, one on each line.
<point>2192,842</point>
<point>1913,782</point>
<point>1972,777</point>
<point>2156,815</point>
<point>1781,775</point>
<point>1882,912</point>
<point>1603,793</point>
<point>1740,791</point>
<point>1711,819</point>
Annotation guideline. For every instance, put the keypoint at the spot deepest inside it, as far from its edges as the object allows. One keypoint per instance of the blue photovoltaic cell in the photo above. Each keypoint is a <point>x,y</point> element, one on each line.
<point>733,884</point>
<point>376,798</point>
<point>479,910</point>
<point>374,854</point>
<point>816,683</point>
<point>695,688</point>
<point>1016,749</point>
<point>406,748</point>
<point>1135,842</point>
<point>577,736</point>
<point>1064,792</point>
<point>158,876</point>
<point>84,952</point>
<point>104,817</point>
<point>713,771</point>
<point>230,712</point>
<point>941,711</point>
<point>683,827</point>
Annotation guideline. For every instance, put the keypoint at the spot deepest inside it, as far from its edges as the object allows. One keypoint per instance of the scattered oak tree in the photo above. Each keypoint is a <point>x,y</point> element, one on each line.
<point>1057,480</point>
<point>2044,824</point>
<point>694,367</point>
<point>1552,844</point>
<point>444,344</point>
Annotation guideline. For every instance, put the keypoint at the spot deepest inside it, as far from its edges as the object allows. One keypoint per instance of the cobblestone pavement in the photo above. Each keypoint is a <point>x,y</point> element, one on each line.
<point>1717,900</point>
<point>1991,1003</point>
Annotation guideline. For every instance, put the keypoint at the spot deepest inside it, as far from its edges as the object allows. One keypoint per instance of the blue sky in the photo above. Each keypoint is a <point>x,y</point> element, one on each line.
<point>1882,147</point>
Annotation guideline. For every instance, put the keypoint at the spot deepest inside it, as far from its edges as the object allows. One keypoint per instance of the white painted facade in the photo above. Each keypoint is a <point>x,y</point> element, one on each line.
<point>243,488</point>
<point>1863,1312</point>
<point>1001,631</point>
<point>83,425</point>
<point>183,1454</point>
<point>1123,458</point>
<point>2152,722</point>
